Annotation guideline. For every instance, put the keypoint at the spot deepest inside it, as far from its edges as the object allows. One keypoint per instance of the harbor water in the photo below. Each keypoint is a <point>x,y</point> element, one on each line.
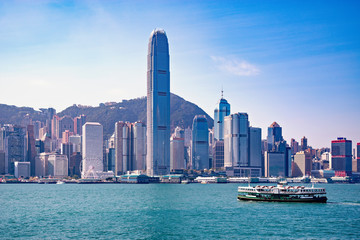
<point>170,211</point>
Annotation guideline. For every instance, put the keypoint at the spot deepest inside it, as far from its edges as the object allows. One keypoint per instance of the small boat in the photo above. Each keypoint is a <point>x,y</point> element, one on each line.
<point>282,193</point>
<point>60,182</point>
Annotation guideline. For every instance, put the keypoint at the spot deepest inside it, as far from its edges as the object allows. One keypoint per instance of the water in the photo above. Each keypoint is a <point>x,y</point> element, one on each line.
<point>164,211</point>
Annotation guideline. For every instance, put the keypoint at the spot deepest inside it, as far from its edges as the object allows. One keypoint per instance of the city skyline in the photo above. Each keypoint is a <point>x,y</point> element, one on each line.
<point>296,64</point>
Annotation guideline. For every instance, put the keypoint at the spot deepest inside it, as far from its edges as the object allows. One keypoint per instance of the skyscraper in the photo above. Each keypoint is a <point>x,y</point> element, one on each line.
<point>200,143</point>
<point>158,105</point>
<point>220,112</point>
<point>92,149</point>
<point>274,135</point>
<point>304,144</point>
<point>341,156</point>
<point>236,140</point>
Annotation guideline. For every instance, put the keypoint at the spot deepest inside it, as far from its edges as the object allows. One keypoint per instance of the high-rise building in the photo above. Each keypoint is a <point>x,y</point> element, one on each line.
<point>236,140</point>
<point>92,150</point>
<point>294,146</point>
<point>200,143</point>
<point>78,123</point>
<point>358,157</point>
<point>13,143</point>
<point>58,165</point>
<point>304,144</point>
<point>177,157</point>
<point>302,164</point>
<point>31,151</point>
<point>274,164</point>
<point>41,164</point>
<point>130,146</point>
<point>255,147</point>
<point>218,157</point>
<point>65,123</point>
<point>274,135</point>
<point>158,105</point>
<point>341,156</point>
<point>220,112</point>
<point>22,169</point>
<point>2,162</point>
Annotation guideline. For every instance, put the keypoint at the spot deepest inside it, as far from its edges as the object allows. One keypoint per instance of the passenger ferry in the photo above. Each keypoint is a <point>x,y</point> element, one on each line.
<point>282,193</point>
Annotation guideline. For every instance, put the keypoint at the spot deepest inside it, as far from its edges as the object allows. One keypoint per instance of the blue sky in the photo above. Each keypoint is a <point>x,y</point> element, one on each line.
<point>293,62</point>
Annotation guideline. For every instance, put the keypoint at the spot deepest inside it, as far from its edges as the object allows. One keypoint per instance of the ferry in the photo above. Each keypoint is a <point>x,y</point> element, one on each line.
<point>282,193</point>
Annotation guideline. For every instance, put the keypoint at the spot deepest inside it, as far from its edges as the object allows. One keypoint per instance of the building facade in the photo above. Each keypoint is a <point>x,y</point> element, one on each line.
<point>220,112</point>
<point>92,150</point>
<point>200,143</point>
<point>158,105</point>
<point>341,155</point>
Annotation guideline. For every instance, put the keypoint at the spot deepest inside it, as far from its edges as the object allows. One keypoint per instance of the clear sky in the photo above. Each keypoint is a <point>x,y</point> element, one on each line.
<point>293,62</point>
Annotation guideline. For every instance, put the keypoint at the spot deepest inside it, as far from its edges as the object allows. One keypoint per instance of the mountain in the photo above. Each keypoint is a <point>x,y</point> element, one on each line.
<point>182,113</point>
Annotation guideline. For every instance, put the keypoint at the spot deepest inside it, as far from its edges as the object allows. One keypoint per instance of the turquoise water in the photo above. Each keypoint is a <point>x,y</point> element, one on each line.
<point>164,211</point>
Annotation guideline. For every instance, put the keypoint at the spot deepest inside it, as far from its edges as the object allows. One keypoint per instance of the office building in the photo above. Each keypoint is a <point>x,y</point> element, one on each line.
<point>302,164</point>
<point>222,110</point>
<point>78,123</point>
<point>218,157</point>
<point>74,164</point>
<point>92,150</point>
<point>255,157</point>
<point>31,150</point>
<point>177,155</point>
<point>274,135</point>
<point>275,165</point>
<point>58,165</point>
<point>304,143</point>
<point>341,156</point>
<point>158,105</point>
<point>41,164</point>
<point>75,140</point>
<point>2,162</point>
<point>294,146</point>
<point>200,143</point>
<point>22,169</point>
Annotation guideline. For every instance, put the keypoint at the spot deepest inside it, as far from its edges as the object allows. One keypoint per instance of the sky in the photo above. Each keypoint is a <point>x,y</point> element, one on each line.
<point>293,62</point>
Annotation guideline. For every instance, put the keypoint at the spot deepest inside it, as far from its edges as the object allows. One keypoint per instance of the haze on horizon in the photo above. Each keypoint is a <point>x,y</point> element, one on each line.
<point>296,63</point>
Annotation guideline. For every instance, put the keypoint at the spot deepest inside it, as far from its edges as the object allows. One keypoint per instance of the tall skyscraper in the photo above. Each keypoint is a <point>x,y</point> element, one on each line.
<point>236,140</point>
<point>255,147</point>
<point>341,156</point>
<point>200,143</point>
<point>158,105</point>
<point>31,151</point>
<point>92,150</point>
<point>304,144</point>
<point>294,146</point>
<point>220,112</point>
<point>302,164</point>
<point>274,135</point>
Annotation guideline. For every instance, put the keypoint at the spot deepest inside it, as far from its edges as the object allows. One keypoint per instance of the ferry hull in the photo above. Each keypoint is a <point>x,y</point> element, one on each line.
<point>281,199</point>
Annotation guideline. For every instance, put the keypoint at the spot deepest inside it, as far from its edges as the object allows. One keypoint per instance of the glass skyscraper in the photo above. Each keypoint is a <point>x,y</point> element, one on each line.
<point>274,135</point>
<point>200,143</point>
<point>219,114</point>
<point>158,105</point>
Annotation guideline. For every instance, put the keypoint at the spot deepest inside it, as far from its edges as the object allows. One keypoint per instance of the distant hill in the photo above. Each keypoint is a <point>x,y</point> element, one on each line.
<point>182,113</point>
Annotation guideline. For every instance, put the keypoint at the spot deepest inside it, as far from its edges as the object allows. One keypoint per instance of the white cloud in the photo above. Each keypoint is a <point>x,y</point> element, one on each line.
<point>235,66</point>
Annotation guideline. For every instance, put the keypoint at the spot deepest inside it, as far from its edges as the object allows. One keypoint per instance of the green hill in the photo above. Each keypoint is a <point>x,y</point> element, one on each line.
<point>182,113</point>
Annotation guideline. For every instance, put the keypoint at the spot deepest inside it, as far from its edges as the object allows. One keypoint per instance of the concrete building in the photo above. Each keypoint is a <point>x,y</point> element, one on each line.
<point>177,155</point>
<point>236,140</point>
<point>2,162</point>
<point>341,156</point>
<point>294,146</point>
<point>92,150</point>
<point>31,150</point>
<point>78,123</point>
<point>158,105</point>
<point>218,157</point>
<point>274,135</point>
<point>22,169</point>
<point>74,164</point>
<point>304,143</point>
<point>221,111</point>
<point>75,140</point>
<point>275,165</point>
<point>302,164</point>
<point>130,147</point>
<point>41,164</point>
<point>200,143</point>
<point>65,123</point>
<point>255,157</point>
<point>58,165</point>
